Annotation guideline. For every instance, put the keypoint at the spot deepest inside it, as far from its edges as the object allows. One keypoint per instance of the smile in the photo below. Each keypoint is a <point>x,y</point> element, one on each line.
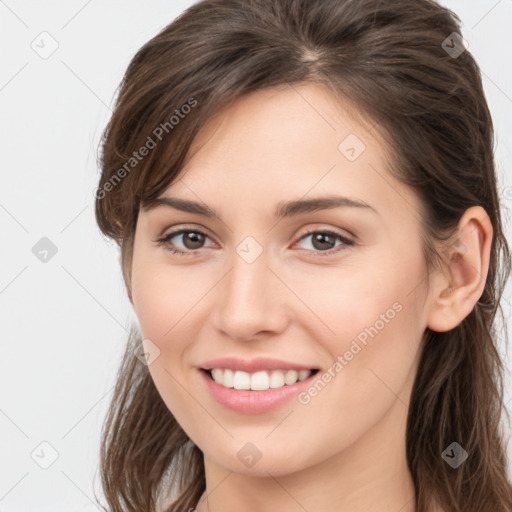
<point>260,380</point>
<point>254,394</point>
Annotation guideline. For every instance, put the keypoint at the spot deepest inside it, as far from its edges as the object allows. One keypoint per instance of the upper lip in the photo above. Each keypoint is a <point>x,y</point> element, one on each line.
<point>253,365</point>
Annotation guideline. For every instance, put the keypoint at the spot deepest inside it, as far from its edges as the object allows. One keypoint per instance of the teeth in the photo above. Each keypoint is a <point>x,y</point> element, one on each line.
<point>228,376</point>
<point>277,379</point>
<point>258,381</point>
<point>242,380</point>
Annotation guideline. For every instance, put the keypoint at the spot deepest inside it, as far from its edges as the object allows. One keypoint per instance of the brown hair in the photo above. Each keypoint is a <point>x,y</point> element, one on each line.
<point>390,59</point>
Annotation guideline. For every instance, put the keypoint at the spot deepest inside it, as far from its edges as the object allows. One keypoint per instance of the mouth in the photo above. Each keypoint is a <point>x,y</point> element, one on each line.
<point>257,391</point>
<point>261,380</point>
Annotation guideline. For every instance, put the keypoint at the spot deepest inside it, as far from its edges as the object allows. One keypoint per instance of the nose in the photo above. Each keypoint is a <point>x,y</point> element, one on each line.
<point>250,300</point>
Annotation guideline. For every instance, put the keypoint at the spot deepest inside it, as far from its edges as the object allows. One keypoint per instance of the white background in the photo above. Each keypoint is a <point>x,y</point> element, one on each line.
<point>64,323</point>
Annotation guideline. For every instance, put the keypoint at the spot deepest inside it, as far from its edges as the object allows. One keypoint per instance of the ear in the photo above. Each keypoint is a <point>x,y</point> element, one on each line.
<point>456,291</point>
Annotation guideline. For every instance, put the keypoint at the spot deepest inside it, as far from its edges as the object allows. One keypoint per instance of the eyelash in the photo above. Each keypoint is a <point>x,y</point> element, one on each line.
<point>345,242</point>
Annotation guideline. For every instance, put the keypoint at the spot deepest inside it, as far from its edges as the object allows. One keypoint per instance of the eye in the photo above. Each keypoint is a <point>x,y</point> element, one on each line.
<point>321,241</point>
<point>192,240</point>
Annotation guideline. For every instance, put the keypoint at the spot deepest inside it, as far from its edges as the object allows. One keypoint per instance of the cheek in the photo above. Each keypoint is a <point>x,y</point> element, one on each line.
<point>373,362</point>
<point>374,320</point>
<point>168,302</point>
<point>339,304</point>
<point>377,303</point>
<point>378,356</point>
<point>164,297</point>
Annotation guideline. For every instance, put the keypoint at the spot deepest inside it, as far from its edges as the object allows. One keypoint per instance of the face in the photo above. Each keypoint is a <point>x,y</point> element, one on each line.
<point>337,287</point>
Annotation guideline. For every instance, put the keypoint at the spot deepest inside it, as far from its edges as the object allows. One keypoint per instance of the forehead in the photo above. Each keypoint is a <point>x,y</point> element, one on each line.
<point>288,142</point>
<point>277,118</point>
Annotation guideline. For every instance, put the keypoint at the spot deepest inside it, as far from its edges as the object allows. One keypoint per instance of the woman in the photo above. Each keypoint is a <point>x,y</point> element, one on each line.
<point>305,199</point>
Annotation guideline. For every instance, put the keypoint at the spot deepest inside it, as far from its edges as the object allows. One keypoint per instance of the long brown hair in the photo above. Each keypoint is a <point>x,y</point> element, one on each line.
<point>402,66</point>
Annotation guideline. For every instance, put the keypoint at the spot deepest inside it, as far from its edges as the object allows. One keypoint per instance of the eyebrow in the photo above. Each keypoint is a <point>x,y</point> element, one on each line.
<point>283,209</point>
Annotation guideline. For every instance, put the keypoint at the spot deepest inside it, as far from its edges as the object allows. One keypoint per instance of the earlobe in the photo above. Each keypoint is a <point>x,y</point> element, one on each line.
<point>456,292</point>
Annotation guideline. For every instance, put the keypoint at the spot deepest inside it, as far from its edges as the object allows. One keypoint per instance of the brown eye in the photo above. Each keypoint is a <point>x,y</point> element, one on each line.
<point>185,241</point>
<point>322,241</point>
<point>192,239</point>
<point>325,242</point>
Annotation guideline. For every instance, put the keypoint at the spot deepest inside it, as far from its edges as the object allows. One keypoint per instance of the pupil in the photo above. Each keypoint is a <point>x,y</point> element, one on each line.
<point>193,240</point>
<point>321,237</point>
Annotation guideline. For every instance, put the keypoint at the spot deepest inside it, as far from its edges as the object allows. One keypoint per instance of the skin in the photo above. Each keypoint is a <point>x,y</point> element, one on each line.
<point>345,449</point>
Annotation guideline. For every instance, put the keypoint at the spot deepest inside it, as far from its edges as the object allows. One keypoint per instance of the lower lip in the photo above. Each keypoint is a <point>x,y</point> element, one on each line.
<point>253,402</point>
